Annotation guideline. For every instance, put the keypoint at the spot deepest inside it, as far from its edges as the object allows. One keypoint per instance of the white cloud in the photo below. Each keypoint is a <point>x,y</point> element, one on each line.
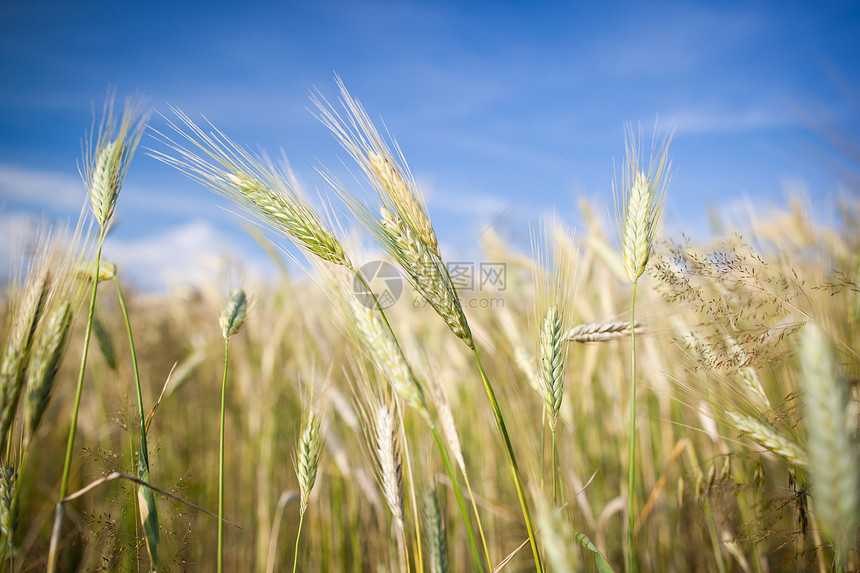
<point>49,190</point>
<point>696,121</point>
<point>191,254</point>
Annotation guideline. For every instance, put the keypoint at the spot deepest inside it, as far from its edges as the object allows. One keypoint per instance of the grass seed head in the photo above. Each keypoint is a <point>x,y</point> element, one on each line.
<point>602,331</point>
<point>389,460</point>
<point>8,505</point>
<point>552,351</point>
<point>13,365</point>
<point>769,438</point>
<point>388,356</point>
<point>436,539</point>
<point>43,367</point>
<point>425,271</point>
<point>266,192</point>
<point>643,194</point>
<point>308,457</point>
<point>834,465</point>
<point>234,315</point>
<point>108,156</point>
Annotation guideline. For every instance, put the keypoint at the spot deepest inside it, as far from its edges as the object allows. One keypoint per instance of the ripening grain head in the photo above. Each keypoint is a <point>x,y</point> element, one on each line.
<point>108,154</point>
<point>308,457</point>
<point>834,464</point>
<point>642,199</point>
<point>387,171</point>
<point>554,255</point>
<point>266,192</point>
<point>235,313</point>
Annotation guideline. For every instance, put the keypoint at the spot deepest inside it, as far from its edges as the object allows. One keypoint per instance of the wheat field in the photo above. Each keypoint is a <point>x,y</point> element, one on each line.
<point>622,401</point>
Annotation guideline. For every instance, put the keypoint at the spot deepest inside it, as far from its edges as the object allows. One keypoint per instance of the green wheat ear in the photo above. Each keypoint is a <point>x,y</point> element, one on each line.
<point>834,465</point>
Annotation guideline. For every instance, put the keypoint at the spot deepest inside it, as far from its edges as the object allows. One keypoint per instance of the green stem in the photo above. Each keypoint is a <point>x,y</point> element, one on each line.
<point>477,517</point>
<point>631,452</point>
<point>67,465</point>
<point>443,451</point>
<point>136,371</point>
<point>512,460</point>
<point>298,534</point>
<point>221,462</point>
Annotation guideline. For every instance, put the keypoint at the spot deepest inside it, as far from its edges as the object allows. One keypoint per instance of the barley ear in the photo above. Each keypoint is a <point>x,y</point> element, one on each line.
<point>436,538</point>
<point>769,438</point>
<point>42,370</point>
<point>602,331</point>
<point>8,504</point>
<point>390,462</point>
<point>643,198</point>
<point>552,364</point>
<point>108,157</point>
<point>834,466</point>
<point>14,362</point>
<point>308,458</point>
<point>388,356</point>
<point>234,315</point>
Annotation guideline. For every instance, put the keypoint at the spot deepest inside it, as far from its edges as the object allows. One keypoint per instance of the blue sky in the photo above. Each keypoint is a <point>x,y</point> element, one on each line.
<point>489,101</point>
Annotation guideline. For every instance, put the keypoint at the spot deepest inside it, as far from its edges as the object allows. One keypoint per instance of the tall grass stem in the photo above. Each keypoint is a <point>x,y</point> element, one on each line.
<point>512,460</point>
<point>67,464</point>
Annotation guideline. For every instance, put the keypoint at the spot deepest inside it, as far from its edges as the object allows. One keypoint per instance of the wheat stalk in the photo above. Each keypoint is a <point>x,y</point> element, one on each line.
<point>231,319</point>
<point>404,230</point>
<point>306,464</point>
<point>642,201</point>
